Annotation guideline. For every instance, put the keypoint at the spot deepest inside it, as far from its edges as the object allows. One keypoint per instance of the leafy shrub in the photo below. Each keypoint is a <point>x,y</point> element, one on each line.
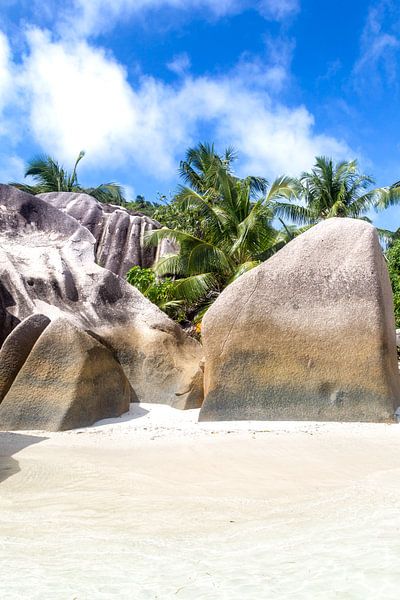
<point>393,261</point>
<point>159,292</point>
<point>174,216</point>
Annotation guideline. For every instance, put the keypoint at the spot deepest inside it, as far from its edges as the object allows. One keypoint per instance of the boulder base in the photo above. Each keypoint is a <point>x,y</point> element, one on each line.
<point>307,335</point>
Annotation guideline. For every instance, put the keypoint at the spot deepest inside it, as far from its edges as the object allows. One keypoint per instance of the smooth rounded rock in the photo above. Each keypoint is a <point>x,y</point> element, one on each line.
<point>17,347</point>
<point>69,380</point>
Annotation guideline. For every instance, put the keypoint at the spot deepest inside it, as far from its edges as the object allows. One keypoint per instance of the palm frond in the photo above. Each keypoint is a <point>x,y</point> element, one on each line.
<point>387,196</point>
<point>193,288</point>
<point>243,268</point>
<point>107,193</point>
<point>170,264</point>
<point>283,187</point>
<point>302,215</point>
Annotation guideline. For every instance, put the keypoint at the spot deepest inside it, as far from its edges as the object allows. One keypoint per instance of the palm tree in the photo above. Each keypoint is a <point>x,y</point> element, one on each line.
<point>331,190</point>
<point>389,196</point>
<point>50,176</point>
<point>237,232</point>
<point>201,167</point>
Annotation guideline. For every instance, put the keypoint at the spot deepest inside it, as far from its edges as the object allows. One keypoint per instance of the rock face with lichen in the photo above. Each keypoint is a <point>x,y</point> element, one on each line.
<point>119,233</point>
<point>47,267</point>
<point>307,335</point>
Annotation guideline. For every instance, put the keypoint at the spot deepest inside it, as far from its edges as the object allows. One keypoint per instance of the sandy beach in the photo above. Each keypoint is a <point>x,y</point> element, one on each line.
<point>154,505</point>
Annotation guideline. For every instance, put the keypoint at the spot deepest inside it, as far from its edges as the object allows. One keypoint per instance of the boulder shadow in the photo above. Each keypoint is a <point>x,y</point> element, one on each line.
<point>135,412</point>
<point>11,443</point>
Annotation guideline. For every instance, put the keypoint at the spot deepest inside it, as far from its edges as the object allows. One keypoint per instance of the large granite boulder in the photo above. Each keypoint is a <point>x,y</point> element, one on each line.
<point>47,266</point>
<point>68,380</point>
<point>307,335</point>
<point>119,233</point>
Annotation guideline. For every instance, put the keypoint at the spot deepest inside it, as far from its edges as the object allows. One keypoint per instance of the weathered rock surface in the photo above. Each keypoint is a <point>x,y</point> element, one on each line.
<point>119,233</point>
<point>68,380</point>
<point>47,266</point>
<point>307,335</point>
<point>17,347</point>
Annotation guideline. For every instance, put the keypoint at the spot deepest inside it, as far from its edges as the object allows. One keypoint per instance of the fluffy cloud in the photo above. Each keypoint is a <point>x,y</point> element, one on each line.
<point>78,97</point>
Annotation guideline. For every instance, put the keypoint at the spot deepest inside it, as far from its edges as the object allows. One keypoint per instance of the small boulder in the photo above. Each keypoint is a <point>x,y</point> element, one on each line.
<point>68,380</point>
<point>17,347</point>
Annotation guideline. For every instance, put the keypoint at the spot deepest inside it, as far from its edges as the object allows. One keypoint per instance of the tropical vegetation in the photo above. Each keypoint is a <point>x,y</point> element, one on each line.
<point>393,262</point>
<point>159,291</point>
<point>50,176</point>
<point>223,225</point>
<point>230,228</point>
<point>331,190</point>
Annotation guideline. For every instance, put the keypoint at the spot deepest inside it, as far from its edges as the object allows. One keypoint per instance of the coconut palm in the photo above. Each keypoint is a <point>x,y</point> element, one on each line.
<point>237,233</point>
<point>331,190</point>
<point>202,165</point>
<point>50,176</point>
<point>202,168</point>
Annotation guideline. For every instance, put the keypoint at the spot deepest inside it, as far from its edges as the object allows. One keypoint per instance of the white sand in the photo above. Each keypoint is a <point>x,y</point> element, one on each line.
<point>156,506</point>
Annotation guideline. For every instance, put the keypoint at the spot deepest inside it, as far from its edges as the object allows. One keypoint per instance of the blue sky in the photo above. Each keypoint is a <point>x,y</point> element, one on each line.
<point>136,82</point>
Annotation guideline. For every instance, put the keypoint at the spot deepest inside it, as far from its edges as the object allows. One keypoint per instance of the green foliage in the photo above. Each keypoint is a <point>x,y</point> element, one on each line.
<point>228,228</point>
<point>223,225</point>
<point>331,190</point>
<point>159,292</point>
<point>173,216</point>
<point>141,205</point>
<point>50,176</point>
<point>393,262</point>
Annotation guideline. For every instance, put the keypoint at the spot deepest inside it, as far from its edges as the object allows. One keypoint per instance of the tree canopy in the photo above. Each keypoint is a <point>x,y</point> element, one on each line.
<point>235,224</point>
<point>331,190</point>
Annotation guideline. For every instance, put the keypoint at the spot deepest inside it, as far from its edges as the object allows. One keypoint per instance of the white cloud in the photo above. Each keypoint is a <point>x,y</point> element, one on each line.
<point>94,16</point>
<point>277,140</point>
<point>78,97</point>
<point>379,46</point>
<point>180,63</point>
<point>273,74</point>
<point>278,10</point>
<point>6,80</point>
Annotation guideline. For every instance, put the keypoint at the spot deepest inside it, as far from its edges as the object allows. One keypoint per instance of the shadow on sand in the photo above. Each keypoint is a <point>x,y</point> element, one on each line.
<point>11,443</point>
<point>135,412</point>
